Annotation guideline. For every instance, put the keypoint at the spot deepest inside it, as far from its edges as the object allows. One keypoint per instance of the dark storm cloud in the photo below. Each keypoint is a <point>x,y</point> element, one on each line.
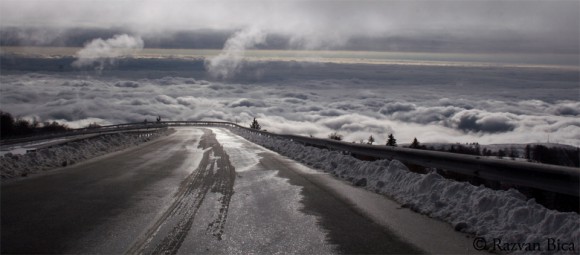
<point>77,83</point>
<point>294,100</point>
<point>174,81</point>
<point>397,107</point>
<point>427,115</point>
<point>127,84</point>
<point>566,108</point>
<point>477,121</point>
<point>298,95</point>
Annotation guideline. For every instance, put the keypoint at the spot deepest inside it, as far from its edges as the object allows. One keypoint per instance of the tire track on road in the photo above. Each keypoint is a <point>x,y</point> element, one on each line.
<point>226,176</point>
<point>215,174</point>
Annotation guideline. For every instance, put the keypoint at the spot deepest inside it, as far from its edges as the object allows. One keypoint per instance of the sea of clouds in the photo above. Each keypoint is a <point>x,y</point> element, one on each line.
<point>433,103</point>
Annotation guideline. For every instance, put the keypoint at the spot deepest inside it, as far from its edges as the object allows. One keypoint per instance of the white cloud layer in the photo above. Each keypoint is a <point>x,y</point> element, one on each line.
<point>423,102</point>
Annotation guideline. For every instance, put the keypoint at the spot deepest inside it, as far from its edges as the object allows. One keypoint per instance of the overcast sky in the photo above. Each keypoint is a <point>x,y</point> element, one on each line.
<point>312,24</point>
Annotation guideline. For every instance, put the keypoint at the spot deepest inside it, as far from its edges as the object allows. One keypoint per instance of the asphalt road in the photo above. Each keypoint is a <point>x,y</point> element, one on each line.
<point>206,191</point>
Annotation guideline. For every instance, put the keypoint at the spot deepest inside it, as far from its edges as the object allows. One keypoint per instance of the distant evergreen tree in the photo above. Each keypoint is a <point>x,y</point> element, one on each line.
<point>255,125</point>
<point>14,127</point>
<point>486,152</point>
<point>22,127</point>
<point>335,136</point>
<point>528,152</point>
<point>500,153</point>
<point>513,154</point>
<point>371,140</point>
<point>556,155</point>
<point>93,125</point>
<point>392,141</point>
<point>477,149</point>
<point>547,155</point>
<point>415,144</point>
<point>53,127</point>
<point>6,124</point>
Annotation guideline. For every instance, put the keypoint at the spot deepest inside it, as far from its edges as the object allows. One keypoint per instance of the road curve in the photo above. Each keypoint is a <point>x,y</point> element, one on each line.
<point>202,191</point>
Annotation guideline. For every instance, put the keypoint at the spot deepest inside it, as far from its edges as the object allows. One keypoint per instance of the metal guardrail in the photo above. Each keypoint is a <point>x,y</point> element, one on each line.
<point>553,178</point>
<point>83,131</point>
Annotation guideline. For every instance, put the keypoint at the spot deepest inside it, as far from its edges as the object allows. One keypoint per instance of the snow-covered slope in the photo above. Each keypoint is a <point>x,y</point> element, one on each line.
<point>487,213</point>
<point>22,148</point>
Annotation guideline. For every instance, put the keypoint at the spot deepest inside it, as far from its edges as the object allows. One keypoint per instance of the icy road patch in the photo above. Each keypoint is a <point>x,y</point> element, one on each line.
<point>242,156</point>
<point>265,207</point>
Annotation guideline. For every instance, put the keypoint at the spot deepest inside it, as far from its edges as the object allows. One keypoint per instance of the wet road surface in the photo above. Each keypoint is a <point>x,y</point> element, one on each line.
<point>196,191</point>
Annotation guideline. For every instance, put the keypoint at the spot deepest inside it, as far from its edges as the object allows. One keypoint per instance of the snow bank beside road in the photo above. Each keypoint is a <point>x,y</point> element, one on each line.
<point>13,165</point>
<point>19,149</point>
<point>491,214</point>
